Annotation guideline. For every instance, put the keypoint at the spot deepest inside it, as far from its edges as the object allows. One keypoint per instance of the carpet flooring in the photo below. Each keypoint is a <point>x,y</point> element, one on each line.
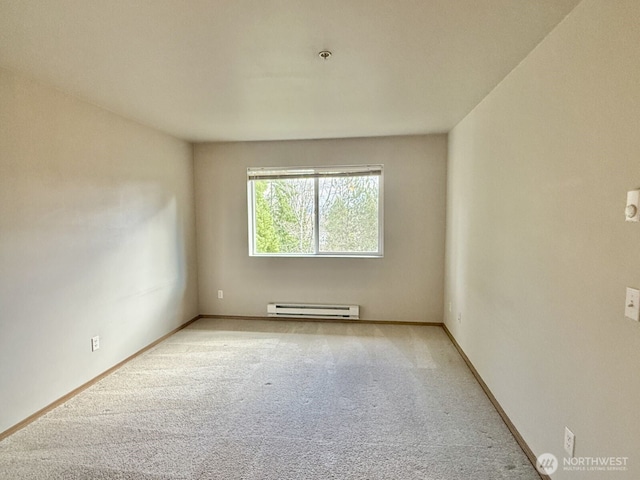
<point>239,399</point>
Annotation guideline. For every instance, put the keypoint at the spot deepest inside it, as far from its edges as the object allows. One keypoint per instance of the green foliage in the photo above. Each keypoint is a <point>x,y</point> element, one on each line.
<point>284,212</point>
<point>284,216</point>
<point>267,240</point>
<point>293,209</point>
<point>349,219</point>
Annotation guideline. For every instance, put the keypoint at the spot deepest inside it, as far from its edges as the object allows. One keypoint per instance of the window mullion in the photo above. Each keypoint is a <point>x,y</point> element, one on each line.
<point>252,217</point>
<point>316,221</point>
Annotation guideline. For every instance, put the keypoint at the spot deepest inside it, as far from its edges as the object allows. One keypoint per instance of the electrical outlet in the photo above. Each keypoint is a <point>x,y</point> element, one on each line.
<point>449,306</point>
<point>569,442</point>
<point>95,343</point>
<point>220,294</point>
<point>460,317</point>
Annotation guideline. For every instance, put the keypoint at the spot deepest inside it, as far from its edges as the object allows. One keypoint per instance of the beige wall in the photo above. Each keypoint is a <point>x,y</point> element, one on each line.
<point>96,238</point>
<point>407,284</point>
<point>538,253</point>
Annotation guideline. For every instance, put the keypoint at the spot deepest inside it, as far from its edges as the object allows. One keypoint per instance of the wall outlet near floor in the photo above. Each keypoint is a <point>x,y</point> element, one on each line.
<point>220,294</point>
<point>569,442</point>
<point>459,317</point>
<point>449,306</point>
<point>95,343</point>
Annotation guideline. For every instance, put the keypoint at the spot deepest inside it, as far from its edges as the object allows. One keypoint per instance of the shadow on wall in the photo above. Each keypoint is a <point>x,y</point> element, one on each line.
<point>83,259</point>
<point>92,245</point>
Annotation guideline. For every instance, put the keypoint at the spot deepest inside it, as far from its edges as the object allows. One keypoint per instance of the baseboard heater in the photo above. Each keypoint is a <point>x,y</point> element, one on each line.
<point>313,311</point>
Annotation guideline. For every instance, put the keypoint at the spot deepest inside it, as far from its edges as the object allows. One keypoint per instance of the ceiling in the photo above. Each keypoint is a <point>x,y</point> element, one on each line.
<point>223,70</point>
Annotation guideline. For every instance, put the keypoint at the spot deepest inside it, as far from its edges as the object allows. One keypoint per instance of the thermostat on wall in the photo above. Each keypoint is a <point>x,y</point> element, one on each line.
<point>632,212</point>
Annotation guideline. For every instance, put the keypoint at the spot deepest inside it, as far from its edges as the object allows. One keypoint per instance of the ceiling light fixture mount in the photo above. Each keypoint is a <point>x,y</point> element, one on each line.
<point>324,54</point>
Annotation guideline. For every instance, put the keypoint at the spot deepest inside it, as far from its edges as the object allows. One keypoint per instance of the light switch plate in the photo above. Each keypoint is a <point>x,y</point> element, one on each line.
<point>632,304</point>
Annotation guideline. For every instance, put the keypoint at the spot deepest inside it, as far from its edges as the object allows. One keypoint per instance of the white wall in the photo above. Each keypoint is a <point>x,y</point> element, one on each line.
<point>407,284</point>
<point>538,253</point>
<point>97,237</point>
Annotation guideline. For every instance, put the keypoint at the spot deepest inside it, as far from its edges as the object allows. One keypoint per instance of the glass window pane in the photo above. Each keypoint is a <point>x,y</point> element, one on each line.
<point>284,211</point>
<point>348,219</point>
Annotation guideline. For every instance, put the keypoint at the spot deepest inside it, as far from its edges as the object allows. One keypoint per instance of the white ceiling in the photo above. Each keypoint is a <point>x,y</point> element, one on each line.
<point>211,70</point>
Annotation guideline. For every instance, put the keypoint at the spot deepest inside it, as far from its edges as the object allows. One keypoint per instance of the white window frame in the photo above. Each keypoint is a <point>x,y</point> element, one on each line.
<point>274,173</point>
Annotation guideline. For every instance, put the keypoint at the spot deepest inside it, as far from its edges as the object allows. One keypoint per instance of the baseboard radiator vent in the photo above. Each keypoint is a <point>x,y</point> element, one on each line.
<point>313,311</point>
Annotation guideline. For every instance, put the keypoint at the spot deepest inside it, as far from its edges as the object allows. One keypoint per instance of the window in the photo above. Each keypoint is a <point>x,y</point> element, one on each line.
<point>307,211</point>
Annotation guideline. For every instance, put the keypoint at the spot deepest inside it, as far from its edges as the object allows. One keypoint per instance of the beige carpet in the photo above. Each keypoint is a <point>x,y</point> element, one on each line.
<point>241,399</point>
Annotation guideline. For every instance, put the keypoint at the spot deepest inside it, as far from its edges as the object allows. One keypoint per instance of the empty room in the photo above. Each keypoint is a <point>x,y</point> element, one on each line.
<point>260,239</point>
